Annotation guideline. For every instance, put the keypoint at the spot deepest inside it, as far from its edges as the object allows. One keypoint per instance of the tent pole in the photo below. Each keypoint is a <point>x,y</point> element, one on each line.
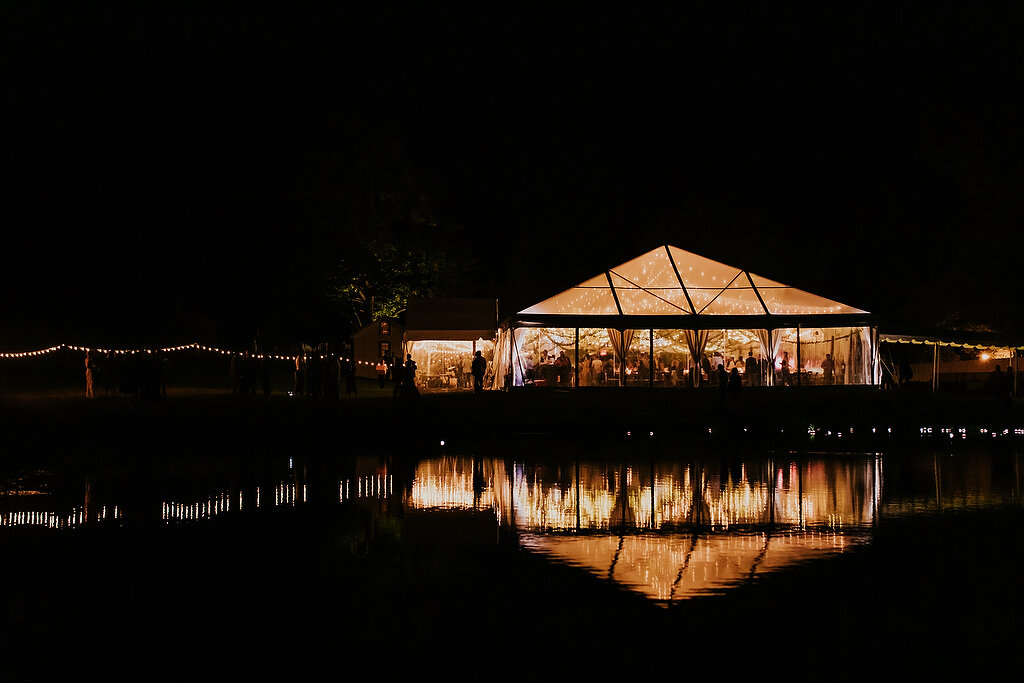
<point>576,366</point>
<point>511,346</point>
<point>622,358</point>
<point>873,349</point>
<point>1015,354</point>
<point>650,359</point>
<point>935,368</point>
<point>799,365</point>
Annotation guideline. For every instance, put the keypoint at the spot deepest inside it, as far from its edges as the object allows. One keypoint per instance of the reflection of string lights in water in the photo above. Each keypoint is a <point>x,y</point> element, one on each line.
<point>285,495</point>
<point>206,509</point>
<point>171,511</point>
<point>372,486</point>
<point>53,520</point>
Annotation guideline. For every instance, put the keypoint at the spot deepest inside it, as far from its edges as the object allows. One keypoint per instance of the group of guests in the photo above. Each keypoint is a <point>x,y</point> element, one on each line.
<point>467,369</point>
<point>715,369</point>
<point>130,376</point>
<point>550,369</point>
<point>248,372</point>
<point>403,375</point>
<point>319,376</point>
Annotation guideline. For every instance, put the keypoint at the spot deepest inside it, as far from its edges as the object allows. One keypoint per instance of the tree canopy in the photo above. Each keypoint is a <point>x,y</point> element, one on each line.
<point>386,240</point>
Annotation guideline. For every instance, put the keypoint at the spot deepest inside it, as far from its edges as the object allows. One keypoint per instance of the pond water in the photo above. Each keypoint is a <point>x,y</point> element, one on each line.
<point>666,529</point>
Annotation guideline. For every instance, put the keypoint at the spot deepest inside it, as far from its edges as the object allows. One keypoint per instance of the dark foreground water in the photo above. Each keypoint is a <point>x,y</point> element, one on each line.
<point>835,563</point>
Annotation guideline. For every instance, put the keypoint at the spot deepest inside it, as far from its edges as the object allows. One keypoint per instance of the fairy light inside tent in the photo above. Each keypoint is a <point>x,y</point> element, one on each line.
<point>689,291</point>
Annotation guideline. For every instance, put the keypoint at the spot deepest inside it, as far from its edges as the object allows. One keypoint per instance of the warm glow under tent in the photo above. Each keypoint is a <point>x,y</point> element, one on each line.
<point>443,334</point>
<point>670,317</point>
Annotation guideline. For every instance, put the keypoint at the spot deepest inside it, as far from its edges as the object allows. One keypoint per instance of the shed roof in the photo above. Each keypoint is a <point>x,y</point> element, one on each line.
<point>450,319</point>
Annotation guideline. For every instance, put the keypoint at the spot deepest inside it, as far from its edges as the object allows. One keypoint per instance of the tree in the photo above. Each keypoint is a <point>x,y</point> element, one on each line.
<point>384,241</point>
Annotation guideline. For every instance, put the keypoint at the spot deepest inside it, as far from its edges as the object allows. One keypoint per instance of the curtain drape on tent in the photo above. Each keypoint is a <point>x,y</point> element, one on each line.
<point>770,341</point>
<point>502,360</point>
<point>620,344</point>
<point>871,360</point>
<point>518,364</point>
<point>696,340</point>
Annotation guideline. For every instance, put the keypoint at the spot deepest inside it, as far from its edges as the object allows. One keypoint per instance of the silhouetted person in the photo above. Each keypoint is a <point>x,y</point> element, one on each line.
<point>409,389</point>
<point>299,388</point>
<point>735,381</point>
<point>382,372</point>
<point>785,368</point>
<point>997,384</point>
<point>350,377</point>
<point>828,369</point>
<point>562,368</point>
<point>479,367</point>
<point>905,372</point>
<point>705,369</point>
<point>90,366</point>
<point>333,375</point>
<point>750,367</point>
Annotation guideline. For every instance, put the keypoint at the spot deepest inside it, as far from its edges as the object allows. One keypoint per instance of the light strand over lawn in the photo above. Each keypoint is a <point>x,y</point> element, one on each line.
<point>195,346</point>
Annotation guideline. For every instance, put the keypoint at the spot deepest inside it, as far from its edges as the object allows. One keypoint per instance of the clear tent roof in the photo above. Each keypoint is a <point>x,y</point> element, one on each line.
<point>672,281</point>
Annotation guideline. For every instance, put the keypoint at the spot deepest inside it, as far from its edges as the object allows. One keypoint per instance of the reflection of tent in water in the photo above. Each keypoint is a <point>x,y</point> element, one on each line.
<point>668,316</point>
<point>674,567</point>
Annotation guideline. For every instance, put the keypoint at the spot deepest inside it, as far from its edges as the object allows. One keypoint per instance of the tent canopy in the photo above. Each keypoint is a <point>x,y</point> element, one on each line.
<point>669,281</point>
<point>450,319</point>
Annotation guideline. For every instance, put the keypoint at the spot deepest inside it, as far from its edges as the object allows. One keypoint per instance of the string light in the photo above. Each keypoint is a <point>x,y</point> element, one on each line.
<point>167,349</point>
<point>890,339</point>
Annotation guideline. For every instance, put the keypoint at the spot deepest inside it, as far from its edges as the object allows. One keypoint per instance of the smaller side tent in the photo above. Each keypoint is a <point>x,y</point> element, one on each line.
<point>443,334</point>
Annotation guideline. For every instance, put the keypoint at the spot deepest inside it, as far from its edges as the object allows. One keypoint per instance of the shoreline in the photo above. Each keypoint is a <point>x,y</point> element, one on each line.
<point>212,422</point>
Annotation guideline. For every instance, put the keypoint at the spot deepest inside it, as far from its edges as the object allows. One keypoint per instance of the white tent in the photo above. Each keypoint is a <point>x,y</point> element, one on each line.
<point>692,309</point>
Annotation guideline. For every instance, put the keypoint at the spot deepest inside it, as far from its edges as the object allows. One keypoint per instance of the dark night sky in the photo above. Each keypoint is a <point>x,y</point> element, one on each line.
<point>156,161</point>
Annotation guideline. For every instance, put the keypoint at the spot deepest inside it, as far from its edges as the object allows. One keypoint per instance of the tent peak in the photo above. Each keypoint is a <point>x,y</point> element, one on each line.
<point>668,280</point>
